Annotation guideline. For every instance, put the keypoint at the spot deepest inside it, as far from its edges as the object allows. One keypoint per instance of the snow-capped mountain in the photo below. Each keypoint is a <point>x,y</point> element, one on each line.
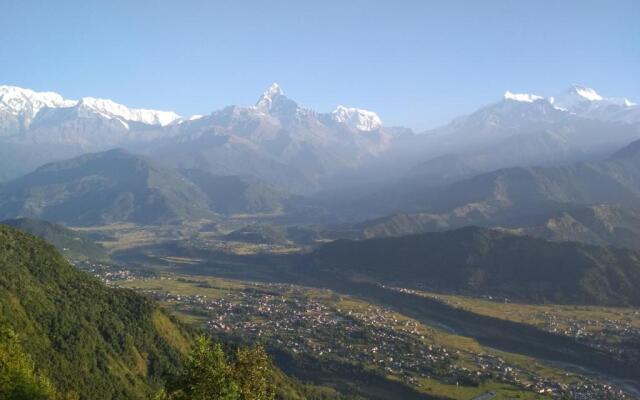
<point>274,102</point>
<point>270,98</point>
<point>524,129</point>
<point>277,130</point>
<point>19,101</point>
<point>111,109</point>
<point>522,97</point>
<point>286,143</point>
<point>520,113</point>
<point>20,108</point>
<point>361,120</point>
<point>586,102</point>
<point>578,99</point>
<point>516,113</point>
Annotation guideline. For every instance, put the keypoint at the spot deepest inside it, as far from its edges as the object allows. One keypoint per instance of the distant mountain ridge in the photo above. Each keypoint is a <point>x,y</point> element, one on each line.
<point>614,180</point>
<point>487,262</point>
<point>117,186</point>
<point>102,188</point>
<point>521,130</point>
<point>276,140</point>
<point>294,147</point>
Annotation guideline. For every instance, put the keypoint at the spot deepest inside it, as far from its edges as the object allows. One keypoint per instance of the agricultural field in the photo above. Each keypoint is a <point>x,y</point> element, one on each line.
<point>319,328</point>
<point>615,330</point>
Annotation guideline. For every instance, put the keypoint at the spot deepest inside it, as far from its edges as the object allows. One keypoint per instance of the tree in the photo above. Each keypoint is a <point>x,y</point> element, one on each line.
<point>251,371</point>
<point>18,377</point>
<point>206,375</point>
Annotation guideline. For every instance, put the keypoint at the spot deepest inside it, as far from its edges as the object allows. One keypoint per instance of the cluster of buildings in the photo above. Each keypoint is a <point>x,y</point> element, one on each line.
<point>110,273</point>
<point>287,318</point>
<point>619,336</point>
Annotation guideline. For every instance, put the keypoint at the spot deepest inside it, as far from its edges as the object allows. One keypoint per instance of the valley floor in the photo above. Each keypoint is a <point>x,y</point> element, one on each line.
<point>377,342</point>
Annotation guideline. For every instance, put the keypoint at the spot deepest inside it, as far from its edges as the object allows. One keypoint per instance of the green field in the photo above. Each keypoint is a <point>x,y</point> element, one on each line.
<point>464,350</point>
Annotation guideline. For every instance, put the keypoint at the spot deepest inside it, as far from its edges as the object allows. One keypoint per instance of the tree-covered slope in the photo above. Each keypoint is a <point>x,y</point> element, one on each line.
<point>98,342</point>
<point>482,261</point>
<point>70,243</point>
<point>600,224</point>
<point>238,194</point>
<point>101,188</point>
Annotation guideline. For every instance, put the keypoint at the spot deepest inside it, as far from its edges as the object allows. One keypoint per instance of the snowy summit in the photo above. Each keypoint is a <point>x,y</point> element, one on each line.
<point>26,104</point>
<point>355,118</point>
<point>522,97</point>
<point>19,101</point>
<point>110,109</point>
<point>266,100</point>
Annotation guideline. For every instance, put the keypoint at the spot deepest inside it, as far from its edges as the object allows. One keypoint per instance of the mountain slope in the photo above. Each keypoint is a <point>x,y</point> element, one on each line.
<point>20,108</point>
<point>98,342</point>
<point>602,225</point>
<point>613,181</point>
<point>68,242</point>
<point>506,193</point>
<point>597,224</point>
<point>487,262</point>
<point>276,140</point>
<point>238,194</point>
<point>101,188</point>
<point>520,130</point>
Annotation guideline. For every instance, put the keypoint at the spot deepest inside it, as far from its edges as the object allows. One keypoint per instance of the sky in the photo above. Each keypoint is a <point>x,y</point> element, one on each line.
<point>416,63</point>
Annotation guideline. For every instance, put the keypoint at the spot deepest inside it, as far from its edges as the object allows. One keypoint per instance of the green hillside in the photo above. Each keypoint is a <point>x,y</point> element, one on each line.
<point>600,224</point>
<point>489,262</point>
<point>68,242</point>
<point>101,188</point>
<point>99,342</point>
<point>238,194</point>
<point>64,334</point>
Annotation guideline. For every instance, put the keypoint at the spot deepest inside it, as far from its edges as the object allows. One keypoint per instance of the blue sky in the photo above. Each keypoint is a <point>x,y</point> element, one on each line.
<point>416,63</point>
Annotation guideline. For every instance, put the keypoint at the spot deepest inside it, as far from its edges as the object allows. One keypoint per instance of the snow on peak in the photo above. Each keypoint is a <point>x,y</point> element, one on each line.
<point>27,103</point>
<point>522,97</point>
<point>580,100</point>
<point>110,109</point>
<point>362,120</point>
<point>19,101</point>
<point>269,95</point>
<point>585,93</point>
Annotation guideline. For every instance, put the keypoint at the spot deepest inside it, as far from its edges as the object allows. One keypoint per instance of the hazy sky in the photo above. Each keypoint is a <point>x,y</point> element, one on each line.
<point>416,63</point>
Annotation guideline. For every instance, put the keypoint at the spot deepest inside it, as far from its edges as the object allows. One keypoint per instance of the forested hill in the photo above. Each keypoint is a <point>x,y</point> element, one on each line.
<point>489,262</point>
<point>65,336</point>
<point>88,339</point>
<point>70,243</point>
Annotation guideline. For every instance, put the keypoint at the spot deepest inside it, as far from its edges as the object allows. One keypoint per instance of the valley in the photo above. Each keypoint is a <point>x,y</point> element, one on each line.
<point>320,200</point>
<point>360,338</point>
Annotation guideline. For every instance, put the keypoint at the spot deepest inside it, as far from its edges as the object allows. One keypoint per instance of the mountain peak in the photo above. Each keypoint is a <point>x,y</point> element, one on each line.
<point>17,100</point>
<point>586,101</point>
<point>274,90</point>
<point>268,96</point>
<point>110,109</point>
<point>522,97</point>
<point>584,92</point>
<point>355,118</point>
